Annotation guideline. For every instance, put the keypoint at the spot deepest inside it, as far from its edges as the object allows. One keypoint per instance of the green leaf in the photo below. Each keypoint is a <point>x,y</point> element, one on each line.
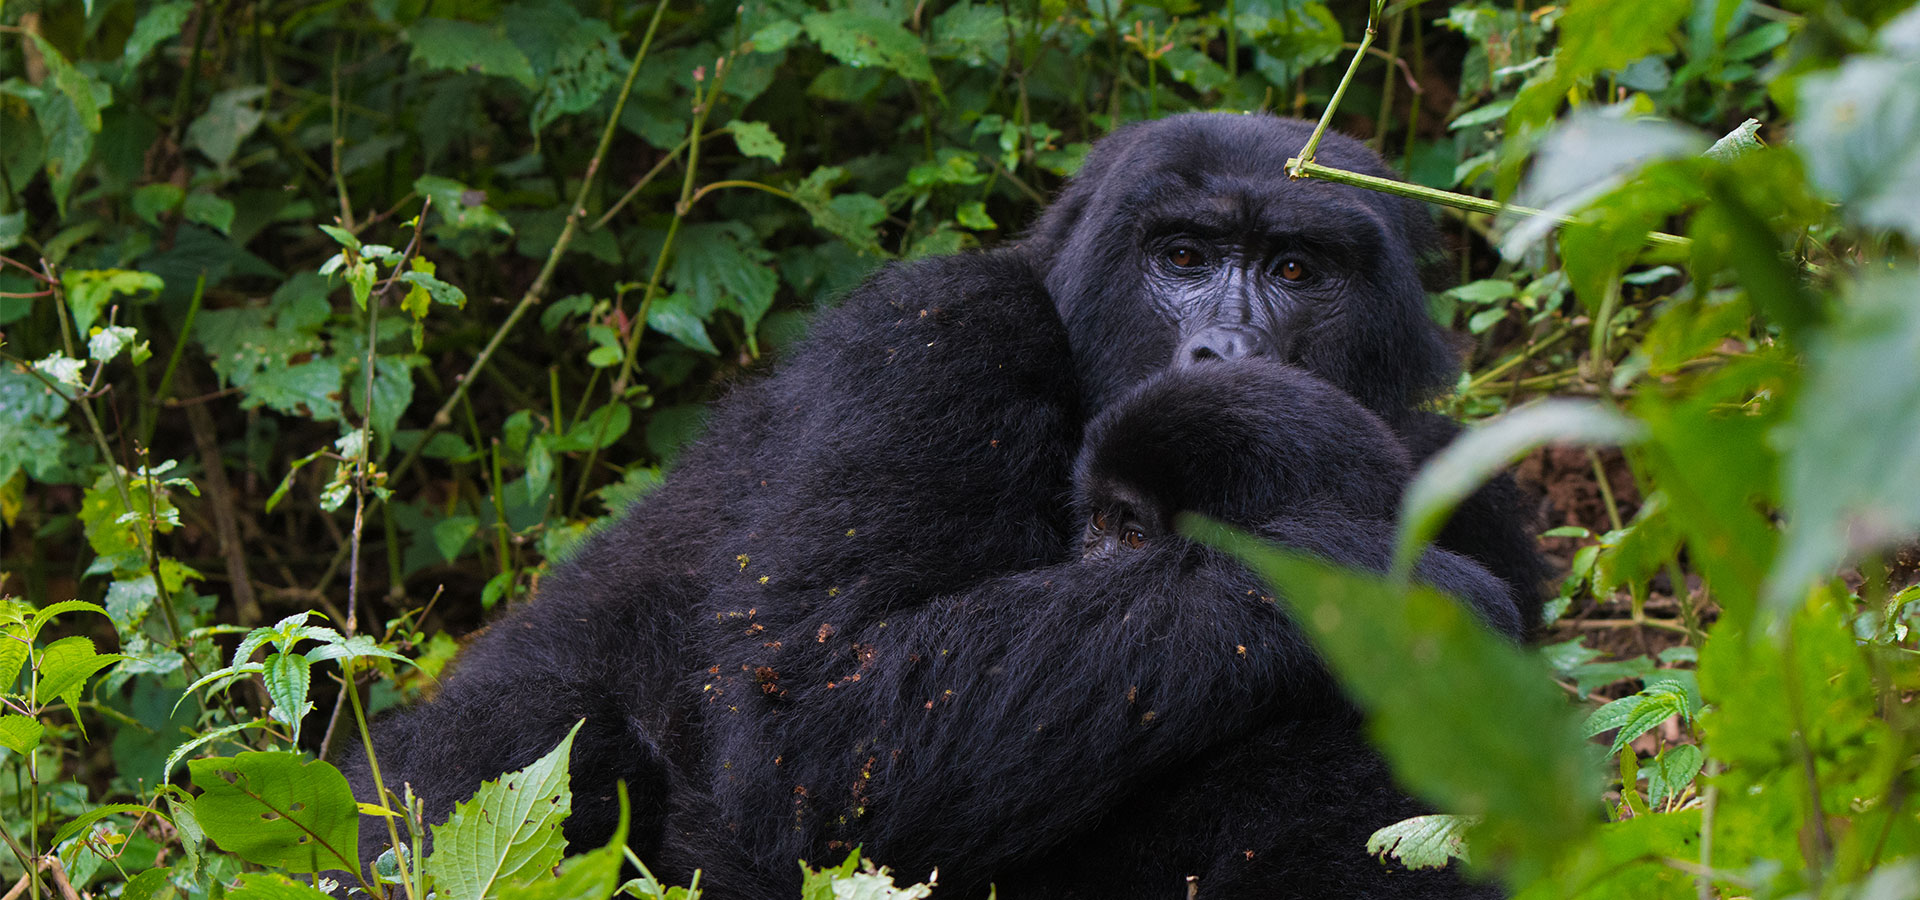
<point>1851,466</point>
<point>71,82</point>
<point>153,884</point>
<point>775,36</point>
<point>1421,666</point>
<point>229,119</point>
<point>1638,714</point>
<point>1672,771</point>
<point>161,21</point>
<point>1742,140</point>
<point>66,665</point>
<point>757,139</point>
<point>149,201</point>
<point>974,215</point>
<point>452,533</point>
<point>1473,458</point>
<point>860,40</point>
<point>20,733</point>
<point>440,291</point>
<point>211,210</point>
<point>359,646</point>
<point>90,291</point>
<point>309,390</point>
<point>848,882</point>
<point>468,47</point>
<point>721,266</point>
<point>278,809</point>
<point>508,832</point>
<point>1859,133</point>
<point>1423,842</point>
<point>462,208</point>
<point>272,886</point>
<point>597,431</point>
<point>288,676</point>
<point>572,56</point>
<point>81,822</point>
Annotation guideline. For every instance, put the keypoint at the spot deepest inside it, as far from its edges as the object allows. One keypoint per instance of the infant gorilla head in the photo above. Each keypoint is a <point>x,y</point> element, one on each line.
<point>1244,442</point>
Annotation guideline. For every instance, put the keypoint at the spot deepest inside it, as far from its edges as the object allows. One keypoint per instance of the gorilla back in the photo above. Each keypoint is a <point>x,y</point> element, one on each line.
<point>856,613</point>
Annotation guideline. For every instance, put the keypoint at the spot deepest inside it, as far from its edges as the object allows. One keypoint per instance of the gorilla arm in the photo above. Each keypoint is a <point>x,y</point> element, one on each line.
<point>987,727</point>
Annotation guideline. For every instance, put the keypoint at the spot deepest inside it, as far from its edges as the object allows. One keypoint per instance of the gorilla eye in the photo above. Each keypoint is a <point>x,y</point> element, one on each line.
<point>1099,521</point>
<point>1134,538</point>
<point>1185,256</point>
<point>1292,270</point>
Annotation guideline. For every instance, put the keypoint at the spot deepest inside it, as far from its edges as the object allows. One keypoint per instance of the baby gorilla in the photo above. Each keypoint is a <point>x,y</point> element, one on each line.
<point>1246,443</point>
<point>1283,811</point>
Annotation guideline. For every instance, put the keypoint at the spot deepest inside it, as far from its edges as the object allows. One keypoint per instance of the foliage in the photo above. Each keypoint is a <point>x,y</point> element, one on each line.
<point>320,322</point>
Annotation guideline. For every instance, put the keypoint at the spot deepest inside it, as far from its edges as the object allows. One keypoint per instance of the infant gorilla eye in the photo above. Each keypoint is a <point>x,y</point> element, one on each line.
<point>1134,538</point>
<point>1185,256</point>
<point>1099,521</point>
<point>1292,270</point>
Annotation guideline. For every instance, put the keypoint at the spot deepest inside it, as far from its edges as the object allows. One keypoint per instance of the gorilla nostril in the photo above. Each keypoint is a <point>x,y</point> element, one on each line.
<point>1203,352</point>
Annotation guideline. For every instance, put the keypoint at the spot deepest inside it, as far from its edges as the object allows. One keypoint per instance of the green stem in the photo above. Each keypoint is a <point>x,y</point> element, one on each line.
<point>1300,168</point>
<point>1326,115</point>
<point>379,785</point>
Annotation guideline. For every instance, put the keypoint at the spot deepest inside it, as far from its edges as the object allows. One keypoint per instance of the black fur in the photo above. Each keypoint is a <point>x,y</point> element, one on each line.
<point>1286,810</point>
<point>855,612</point>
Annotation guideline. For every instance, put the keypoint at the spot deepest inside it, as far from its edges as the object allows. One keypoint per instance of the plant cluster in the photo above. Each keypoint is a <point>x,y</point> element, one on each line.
<point>324,327</point>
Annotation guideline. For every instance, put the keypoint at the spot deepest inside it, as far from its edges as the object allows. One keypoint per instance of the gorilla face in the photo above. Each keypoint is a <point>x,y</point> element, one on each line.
<point>1183,240</point>
<point>1244,441</point>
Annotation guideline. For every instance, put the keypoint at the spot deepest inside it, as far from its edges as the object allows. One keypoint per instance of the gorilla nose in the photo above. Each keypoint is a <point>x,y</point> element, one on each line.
<point>1221,343</point>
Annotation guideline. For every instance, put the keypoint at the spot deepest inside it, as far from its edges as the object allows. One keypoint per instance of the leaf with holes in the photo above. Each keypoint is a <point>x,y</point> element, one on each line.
<point>278,809</point>
<point>1423,842</point>
<point>508,832</point>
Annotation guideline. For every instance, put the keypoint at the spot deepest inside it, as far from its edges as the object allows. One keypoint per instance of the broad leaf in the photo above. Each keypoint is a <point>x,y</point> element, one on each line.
<point>278,809</point>
<point>508,832</point>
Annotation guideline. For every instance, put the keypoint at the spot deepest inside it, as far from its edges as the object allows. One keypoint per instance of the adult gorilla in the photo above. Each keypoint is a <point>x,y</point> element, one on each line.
<point>845,618</point>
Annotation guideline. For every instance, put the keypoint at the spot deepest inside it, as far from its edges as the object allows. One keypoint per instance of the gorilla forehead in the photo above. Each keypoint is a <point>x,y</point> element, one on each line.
<point>1222,172</point>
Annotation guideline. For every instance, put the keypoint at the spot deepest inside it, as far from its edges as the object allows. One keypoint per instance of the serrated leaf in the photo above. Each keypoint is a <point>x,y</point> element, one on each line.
<point>80,823</point>
<point>356,647</point>
<point>179,753</point>
<point>1638,714</point>
<point>20,733</point>
<point>1742,140</point>
<point>468,47</point>
<point>48,613</point>
<point>278,809</point>
<point>1672,771</point>
<point>508,832</point>
<point>288,677</point>
<point>859,40</point>
<point>757,139</point>
<point>66,665</point>
<point>1423,842</point>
